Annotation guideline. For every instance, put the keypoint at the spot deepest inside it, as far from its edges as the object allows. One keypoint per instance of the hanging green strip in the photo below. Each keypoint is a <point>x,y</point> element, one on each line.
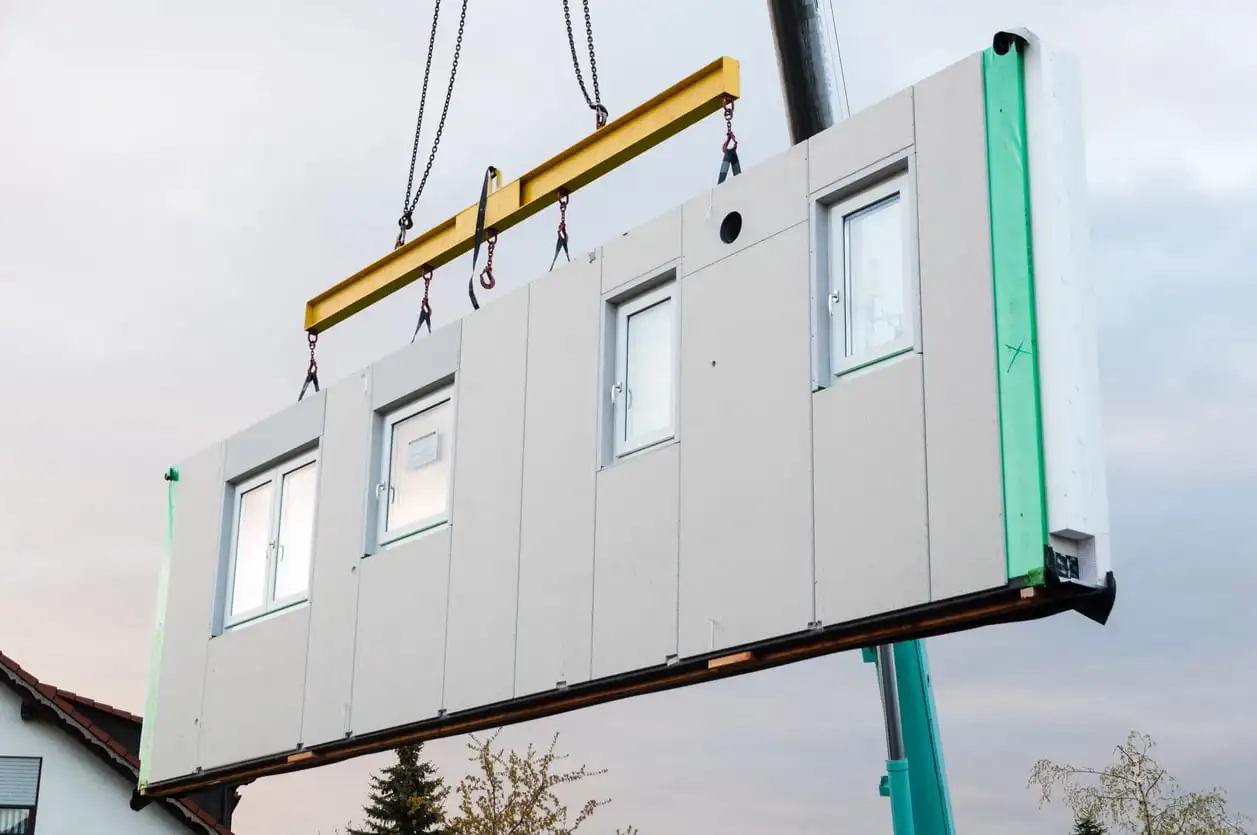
<point>159,629</point>
<point>1021,430</point>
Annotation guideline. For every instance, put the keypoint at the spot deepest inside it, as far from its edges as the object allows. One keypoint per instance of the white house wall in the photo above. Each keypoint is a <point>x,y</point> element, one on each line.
<point>78,793</point>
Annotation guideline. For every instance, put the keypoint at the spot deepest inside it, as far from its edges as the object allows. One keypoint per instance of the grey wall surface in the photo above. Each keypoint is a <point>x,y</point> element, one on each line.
<point>965,483</point>
<point>786,498</point>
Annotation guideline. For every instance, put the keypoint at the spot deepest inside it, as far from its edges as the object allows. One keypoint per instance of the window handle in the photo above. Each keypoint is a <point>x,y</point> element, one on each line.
<point>379,489</point>
<point>628,398</point>
<point>392,494</point>
<point>279,552</point>
<point>615,391</point>
<point>834,298</point>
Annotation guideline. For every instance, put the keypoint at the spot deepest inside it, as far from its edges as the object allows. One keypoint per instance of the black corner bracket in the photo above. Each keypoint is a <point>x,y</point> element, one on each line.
<point>1099,606</point>
<point>1004,41</point>
<point>1095,603</point>
<point>139,801</point>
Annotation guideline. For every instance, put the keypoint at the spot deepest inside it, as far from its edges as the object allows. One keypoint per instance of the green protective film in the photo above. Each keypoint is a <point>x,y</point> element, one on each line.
<point>1016,341</point>
<point>159,629</point>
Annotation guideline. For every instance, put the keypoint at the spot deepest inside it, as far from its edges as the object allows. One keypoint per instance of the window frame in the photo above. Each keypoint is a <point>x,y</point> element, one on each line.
<point>840,204</point>
<point>33,819</point>
<point>274,474</point>
<point>387,419</point>
<point>642,298</point>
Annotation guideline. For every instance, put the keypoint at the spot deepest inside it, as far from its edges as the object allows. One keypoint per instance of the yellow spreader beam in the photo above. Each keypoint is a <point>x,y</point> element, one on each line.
<point>642,128</point>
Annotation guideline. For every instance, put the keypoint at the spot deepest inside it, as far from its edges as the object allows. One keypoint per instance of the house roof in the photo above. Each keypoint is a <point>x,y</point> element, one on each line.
<point>71,710</point>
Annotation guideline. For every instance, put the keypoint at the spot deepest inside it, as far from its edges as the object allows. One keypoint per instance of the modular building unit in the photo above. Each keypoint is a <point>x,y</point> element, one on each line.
<point>847,397</point>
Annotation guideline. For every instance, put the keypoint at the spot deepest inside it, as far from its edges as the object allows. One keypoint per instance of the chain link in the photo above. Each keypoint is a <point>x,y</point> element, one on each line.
<point>731,141</point>
<point>313,340</point>
<point>406,221</point>
<point>312,370</point>
<point>425,307</point>
<point>594,103</point>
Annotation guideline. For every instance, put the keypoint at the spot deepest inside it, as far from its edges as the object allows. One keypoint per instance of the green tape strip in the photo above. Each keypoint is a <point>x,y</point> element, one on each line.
<point>1016,339</point>
<point>159,630</point>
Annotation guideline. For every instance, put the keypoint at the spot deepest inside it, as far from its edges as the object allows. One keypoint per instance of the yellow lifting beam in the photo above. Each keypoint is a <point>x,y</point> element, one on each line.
<point>609,147</point>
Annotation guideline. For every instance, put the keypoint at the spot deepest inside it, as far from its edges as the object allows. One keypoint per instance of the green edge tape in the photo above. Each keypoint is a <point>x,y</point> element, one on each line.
<point>1016,337</point>
<point>159,629</point>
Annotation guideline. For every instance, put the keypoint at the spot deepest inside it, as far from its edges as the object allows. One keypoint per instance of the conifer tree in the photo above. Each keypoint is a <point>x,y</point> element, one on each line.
<point>1088,825</point>
<point>406,798</point>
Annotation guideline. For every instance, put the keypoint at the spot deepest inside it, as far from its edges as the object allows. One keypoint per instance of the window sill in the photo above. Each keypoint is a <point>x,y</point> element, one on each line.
<point>864,363</point>
<point>261,616</point>
<point>409,536</point>
<point>646,449</point>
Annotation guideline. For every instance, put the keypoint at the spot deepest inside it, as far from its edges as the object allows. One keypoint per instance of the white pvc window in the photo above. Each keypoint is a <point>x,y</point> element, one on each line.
<point>643,394</point>
<point>272,539</point>
<point>413,493</point>
<point>870,296</point>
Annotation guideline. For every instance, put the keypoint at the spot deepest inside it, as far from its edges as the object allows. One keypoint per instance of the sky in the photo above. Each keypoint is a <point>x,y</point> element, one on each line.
<point>177,179</point>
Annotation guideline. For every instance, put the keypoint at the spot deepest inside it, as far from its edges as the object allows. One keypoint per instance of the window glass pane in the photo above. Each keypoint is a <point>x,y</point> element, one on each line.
<point>419,468</point>
<point>15,821</point>
<point>648,372</point>
<point>253,531</point>
<point>296,532</point>
<point>874,249</point>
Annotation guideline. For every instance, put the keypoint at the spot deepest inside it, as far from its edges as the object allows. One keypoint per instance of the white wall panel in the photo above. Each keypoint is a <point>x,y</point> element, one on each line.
<point>868,136</point>
<point>189,612</point>
<point>279,436</point>
<point>344,460</point>
<point>962,441</point>
<point>635,569</point>
<point>746,447</point>
<point>641,250</point>
<point>769,197</point>
<point>560,459</point>
<point>254,681</point>
<point>425,362</point>
<point>872,538</point>
<point>399,664</point>
<point>488,465</point>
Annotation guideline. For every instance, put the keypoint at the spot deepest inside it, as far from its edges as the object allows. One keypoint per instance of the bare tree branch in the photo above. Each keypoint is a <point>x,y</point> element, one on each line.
<point>1135,794</point>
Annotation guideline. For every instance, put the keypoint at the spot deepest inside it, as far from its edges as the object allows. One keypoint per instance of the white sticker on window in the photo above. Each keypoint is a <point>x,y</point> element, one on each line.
<point>422,451</point>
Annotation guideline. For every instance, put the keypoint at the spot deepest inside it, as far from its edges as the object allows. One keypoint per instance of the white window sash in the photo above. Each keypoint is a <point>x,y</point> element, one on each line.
<point>275,477</point>
<point>383,488</point>
<point>621,446</point>
<point>838,284</point>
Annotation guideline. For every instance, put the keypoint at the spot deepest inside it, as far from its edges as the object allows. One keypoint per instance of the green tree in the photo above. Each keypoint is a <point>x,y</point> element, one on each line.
<point>1136,794</point>
<point>508,793</point>
<point>406,798</point>
<point>1088,825</point>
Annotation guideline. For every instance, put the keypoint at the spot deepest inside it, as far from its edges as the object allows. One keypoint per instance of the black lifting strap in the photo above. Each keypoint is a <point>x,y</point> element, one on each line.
<point>489,174</point>
<point>729,163</point>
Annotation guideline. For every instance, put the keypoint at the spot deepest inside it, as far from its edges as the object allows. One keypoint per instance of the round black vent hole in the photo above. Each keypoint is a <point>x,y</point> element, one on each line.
<point>731,227</point>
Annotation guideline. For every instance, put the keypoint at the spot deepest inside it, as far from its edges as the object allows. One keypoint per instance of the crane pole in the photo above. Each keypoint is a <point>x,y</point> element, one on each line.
<point>799,34</point>
<point>916,780</point>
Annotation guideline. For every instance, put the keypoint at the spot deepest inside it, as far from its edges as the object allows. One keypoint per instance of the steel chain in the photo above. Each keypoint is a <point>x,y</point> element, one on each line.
<point>594,103</point>
<point>406,221</point>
